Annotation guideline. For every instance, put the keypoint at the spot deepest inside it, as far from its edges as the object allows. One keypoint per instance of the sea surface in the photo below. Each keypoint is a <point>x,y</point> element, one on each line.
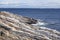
<point>49,16</point>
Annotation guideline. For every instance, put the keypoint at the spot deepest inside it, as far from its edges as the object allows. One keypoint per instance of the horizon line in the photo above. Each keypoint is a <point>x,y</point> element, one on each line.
<point>39,8</point>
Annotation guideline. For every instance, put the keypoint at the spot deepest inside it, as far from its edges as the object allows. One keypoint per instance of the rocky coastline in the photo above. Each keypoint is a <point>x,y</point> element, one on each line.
<point>17,27</point>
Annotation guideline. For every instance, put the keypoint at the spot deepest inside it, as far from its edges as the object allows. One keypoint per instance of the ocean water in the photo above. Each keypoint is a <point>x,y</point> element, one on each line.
<point>49,16</point>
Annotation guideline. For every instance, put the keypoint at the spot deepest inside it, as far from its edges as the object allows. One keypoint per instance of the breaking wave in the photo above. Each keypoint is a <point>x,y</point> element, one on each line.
<point>40,23</point>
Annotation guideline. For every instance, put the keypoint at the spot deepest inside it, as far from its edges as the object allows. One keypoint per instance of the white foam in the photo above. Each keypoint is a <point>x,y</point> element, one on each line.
<point>40,23</point>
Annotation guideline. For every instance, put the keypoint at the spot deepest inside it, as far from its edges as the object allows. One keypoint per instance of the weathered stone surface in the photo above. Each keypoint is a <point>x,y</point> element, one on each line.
<point>15,27</point>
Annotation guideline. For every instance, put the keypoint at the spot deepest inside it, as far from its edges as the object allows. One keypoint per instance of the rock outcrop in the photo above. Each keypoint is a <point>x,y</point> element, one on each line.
<point>17,27</point>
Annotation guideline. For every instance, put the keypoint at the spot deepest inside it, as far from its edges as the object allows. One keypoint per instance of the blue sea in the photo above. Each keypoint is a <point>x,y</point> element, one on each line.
<point>50,16</point>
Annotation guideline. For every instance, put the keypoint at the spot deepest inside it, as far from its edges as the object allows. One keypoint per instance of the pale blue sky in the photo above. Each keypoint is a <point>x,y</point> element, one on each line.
<point>29,3</point>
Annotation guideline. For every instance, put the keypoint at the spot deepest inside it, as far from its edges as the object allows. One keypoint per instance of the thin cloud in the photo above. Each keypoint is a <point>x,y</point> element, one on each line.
<point>31,3</point>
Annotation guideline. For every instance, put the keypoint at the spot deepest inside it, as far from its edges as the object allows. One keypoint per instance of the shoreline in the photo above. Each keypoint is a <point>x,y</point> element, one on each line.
<point>15,27</point>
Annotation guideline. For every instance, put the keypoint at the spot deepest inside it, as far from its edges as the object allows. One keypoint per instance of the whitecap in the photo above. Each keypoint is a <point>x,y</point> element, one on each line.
<point>40,23</point>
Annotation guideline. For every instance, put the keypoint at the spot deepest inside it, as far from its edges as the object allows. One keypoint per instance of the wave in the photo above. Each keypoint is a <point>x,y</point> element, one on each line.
<point>40,23</point>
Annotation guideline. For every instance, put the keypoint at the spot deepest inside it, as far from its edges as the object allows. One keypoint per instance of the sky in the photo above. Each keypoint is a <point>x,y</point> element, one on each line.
<point>29,3</point>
